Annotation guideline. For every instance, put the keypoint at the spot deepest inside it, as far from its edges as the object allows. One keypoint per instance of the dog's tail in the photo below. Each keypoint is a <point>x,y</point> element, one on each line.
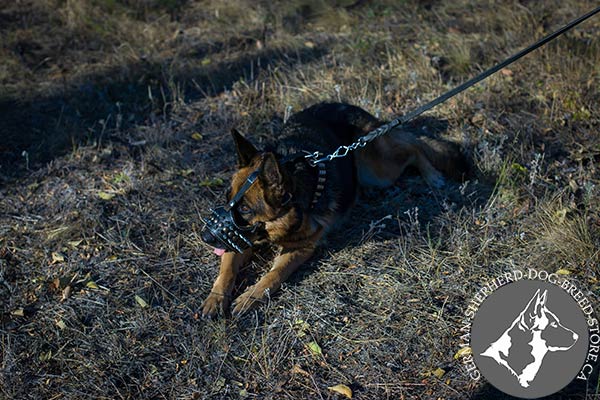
<point>447,157</point>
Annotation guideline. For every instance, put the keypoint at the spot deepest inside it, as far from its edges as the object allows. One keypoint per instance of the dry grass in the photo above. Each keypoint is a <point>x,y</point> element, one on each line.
<point>114,118</point>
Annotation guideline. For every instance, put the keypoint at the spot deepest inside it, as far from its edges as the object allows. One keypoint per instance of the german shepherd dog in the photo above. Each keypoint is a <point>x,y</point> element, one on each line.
<point>296,203</point>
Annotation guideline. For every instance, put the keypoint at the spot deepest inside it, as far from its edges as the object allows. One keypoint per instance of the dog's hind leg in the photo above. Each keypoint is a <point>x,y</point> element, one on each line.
<point>432,176</point>
<point>385,159</point>
<point>220,295</point>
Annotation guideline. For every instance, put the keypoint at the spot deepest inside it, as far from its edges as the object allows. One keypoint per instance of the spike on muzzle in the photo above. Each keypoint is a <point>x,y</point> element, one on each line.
<point>222,231</point>
<point>226,229</point>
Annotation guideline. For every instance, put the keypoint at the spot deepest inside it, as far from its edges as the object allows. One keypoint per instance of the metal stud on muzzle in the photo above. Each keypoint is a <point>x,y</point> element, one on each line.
<point>226,229</point>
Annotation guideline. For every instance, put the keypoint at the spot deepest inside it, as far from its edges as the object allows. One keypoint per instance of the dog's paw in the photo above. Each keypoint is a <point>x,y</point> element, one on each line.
<point>435,180</point>
<point>215,304</point>
<point>247,301</point>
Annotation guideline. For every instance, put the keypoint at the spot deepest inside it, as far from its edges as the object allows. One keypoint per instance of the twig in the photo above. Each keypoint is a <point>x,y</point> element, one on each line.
<point>167,290</point>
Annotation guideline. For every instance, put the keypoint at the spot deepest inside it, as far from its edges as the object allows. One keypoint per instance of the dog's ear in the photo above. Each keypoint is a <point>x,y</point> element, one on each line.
<point>530,312</point>
<point>271,179</point>
<point>540,303</point>
<point>270,172</point>
<point>245,150</point>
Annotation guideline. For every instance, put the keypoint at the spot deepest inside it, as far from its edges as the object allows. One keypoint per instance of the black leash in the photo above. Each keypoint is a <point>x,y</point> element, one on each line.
<point>316,157</point>
<point>229,231</point>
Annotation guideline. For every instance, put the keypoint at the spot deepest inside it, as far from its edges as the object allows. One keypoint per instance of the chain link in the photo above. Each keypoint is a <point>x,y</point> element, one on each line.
<point>342,151</point>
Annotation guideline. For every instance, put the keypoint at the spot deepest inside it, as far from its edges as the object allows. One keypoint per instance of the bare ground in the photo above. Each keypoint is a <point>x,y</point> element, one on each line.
<point>114,119</point>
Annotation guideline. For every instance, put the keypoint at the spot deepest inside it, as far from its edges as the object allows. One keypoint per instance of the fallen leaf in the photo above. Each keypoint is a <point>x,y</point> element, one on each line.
<point>19,312</point>
<point>465,351</point>
<point>573,185</point>
<point>218,384</point>
<point>478,118</point>
<point>75,243</point>
<point>561,215</point>
<point>212,182</point>
<point>296,369</point>
<point>518,168</point>
<point>61,324</point>
<point>506,72</point>
<point>205,61</point>
<point>141,301</point>
<point>46,356</point>
<point>301,327</point>
<point>62,282</point>
<point>309,44</point>
<point>106,195</point>
<point>186,172</point>
<point>314,348</point>
<point>341,389</point>
<point>57,257</point>
<point>91,285</point>
<point>563,272</point>
<point>66,293</point>
<point>196,136</point>
<point>54,233</point>
<point>439,372</point>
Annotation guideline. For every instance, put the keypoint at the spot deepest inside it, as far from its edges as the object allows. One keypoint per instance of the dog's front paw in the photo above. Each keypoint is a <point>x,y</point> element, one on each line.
<point>215,304</point>
<point>247,301</point>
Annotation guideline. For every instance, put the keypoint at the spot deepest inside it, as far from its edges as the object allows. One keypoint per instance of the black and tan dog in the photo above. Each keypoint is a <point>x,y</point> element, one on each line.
<point>296,204</point>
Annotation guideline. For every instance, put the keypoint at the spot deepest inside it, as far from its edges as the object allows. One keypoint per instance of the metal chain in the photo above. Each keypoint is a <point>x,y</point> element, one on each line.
<point>342,151</point>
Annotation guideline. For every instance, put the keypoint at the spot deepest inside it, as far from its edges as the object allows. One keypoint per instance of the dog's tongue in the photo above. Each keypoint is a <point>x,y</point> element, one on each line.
<point>219,252</point>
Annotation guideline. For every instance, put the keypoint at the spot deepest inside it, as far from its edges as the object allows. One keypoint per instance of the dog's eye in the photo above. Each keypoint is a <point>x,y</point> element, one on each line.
<point>244,209</point>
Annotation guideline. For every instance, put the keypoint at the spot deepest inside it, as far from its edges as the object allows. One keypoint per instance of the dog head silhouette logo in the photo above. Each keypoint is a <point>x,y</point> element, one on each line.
<point>529,339</point>
<point>542,330</point>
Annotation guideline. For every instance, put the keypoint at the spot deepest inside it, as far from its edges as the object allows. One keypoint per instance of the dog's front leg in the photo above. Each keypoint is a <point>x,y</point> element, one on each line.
<point>283,266</point>
<point>220,296</point>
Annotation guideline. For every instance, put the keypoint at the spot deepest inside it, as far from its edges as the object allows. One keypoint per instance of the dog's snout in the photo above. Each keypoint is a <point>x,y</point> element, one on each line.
<point>207,237</point>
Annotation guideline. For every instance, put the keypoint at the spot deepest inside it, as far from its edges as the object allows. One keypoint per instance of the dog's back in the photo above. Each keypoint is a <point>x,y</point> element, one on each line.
<point>323,128</point>
<point>382,161</point>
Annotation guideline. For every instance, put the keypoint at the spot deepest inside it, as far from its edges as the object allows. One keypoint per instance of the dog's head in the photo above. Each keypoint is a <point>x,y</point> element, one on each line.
<point>265,201</point>
<point>537,317</point>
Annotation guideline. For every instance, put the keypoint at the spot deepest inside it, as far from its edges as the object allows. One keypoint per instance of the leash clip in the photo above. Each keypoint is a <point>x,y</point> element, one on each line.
<point>314,158</point>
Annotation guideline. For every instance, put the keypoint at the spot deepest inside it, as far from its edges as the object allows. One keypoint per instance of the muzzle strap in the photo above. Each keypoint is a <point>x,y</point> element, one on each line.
<point>238,196</point>
<point>225,224</point>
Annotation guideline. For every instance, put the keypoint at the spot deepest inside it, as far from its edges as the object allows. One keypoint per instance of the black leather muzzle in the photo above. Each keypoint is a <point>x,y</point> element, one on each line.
<point>226,229</point>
